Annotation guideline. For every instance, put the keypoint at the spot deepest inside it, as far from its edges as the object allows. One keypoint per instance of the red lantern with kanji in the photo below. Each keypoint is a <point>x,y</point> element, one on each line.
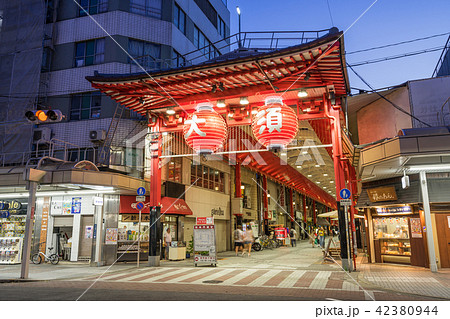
<point>275,124</point>
<point>205,130</point>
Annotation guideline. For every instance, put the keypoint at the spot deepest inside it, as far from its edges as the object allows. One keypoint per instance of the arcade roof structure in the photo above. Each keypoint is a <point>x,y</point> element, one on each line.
<point>317,67</point>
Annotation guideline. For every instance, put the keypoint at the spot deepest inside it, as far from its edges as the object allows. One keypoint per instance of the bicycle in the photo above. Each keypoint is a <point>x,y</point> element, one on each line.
<point>37,258</point>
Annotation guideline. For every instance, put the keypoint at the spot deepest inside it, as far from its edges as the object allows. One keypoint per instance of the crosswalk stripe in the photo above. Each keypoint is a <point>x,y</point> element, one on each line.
<point>176,276</point>
<point>251,277</point>
<point>305,280</point>
<point>136,274</point>
<point>152,275</point>
<point>263,278</point>
<point>229,275</point>
<point>320,281</point>
<point>278,278</point>
<point>290,281</point>
<point>201,276</point>
<point>237,277</point>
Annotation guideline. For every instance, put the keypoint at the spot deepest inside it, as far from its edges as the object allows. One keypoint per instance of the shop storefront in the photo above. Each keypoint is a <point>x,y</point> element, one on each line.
<point>397,233</point>
<point>173,212</point>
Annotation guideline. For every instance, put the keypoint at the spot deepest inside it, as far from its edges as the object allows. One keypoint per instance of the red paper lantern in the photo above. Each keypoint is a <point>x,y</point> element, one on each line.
<point>205,130</point>
<point>275,124</point>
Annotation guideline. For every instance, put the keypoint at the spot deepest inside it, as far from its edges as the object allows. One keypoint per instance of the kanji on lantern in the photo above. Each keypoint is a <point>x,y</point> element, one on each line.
<point>275,124</point>
<point>205,130</point>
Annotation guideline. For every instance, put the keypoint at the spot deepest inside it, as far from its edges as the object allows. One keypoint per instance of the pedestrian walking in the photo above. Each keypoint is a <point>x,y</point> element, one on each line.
<point>248,240</point>
<point>293,236</point>
<point>167,241</point>
<point>238,239</point>
<point>321,234</point>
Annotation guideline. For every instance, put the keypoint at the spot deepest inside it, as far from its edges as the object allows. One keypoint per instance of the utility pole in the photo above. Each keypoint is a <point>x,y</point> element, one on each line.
<point>239,14</point>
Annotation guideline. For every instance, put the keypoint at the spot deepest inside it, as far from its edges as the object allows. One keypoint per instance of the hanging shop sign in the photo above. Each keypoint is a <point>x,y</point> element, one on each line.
<point>275,124</point>
<point>205,130</point>
<point>394,210</point>
<point>382,194</point>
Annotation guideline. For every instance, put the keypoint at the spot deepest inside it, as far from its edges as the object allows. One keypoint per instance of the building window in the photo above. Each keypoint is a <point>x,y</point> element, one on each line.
<point>202,42</point>
<point>174,170</point>
<point>85,106</point>
<point>179,18</point>
<point>149,8</point>
<point>221,28</point>
<point>92,7</point>
<point>89,52</point>
<point>146,54</point>
<point>177,60</point>
<point>207,177</point>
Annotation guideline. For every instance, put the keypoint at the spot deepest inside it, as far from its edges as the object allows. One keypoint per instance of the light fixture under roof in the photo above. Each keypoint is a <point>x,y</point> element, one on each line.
<point>302,93</point>
<point>170,111</point>
<point>254,111</point>
<point>325,174</point>
<point>317,165</point>
<point>221,103</point>
<point>244,100</point>
<point>309,175</point>
<point>299,166</point>
<point>242,187</point>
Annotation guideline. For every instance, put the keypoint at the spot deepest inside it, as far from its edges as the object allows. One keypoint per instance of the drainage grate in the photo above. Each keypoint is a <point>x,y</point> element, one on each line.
<point>212,281</point>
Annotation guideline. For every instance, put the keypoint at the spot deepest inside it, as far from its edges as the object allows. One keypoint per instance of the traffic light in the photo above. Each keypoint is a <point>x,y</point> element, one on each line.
<point>44,116</point>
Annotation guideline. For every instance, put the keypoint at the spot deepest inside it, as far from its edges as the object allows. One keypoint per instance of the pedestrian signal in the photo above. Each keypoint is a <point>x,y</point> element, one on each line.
<point>44,116</point>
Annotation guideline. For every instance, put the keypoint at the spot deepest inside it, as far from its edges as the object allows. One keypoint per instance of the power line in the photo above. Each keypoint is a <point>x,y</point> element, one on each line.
<point>329,11</point>
<point>399,56</point>
<point>398,43</point>
<point>384,98</point>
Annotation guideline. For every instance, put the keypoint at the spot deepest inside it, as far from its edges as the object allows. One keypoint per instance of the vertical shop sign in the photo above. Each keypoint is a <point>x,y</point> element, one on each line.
<point>44,224</point>
<point>76,205</point>
<point>205,244</point>
<point>416,228</point>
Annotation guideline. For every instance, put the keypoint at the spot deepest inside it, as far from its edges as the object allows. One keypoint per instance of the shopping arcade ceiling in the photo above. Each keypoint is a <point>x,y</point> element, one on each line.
<point>317,67</point>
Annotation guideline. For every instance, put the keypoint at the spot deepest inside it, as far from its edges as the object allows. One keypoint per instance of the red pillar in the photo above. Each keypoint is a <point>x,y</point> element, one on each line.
<point>155,170</point>
<point>314,213</point>
<point>291,198</point>
<point>305,220</point>
<point>238,192</point>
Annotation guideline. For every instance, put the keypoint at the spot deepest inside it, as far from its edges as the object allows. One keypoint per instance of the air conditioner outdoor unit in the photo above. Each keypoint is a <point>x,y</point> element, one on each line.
<point>97,135</point>
<point>42,135</point>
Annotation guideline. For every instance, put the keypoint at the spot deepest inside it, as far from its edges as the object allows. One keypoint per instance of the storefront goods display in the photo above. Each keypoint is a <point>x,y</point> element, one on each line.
<point>13,226</point>
<point>10,250</point>
<point>275,124</point>
<point>205,130</point>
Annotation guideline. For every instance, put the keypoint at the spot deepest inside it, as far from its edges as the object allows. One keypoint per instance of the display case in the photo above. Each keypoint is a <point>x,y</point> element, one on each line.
<point>392,234</point>
<point>10,250</point>
<point>13,226</point>
<point>128,233</point>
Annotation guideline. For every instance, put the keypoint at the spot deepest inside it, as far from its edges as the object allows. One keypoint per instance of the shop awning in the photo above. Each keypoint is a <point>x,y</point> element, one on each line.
<point>332,214</point>
<point>176,206</point>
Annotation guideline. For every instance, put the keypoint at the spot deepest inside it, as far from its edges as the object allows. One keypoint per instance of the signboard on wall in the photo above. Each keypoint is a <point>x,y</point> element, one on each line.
<point>382,194</point>
<point>394,210</point>
<point>416,228</point>
<point>204,220</point>
<point>76,205</point>
<point>111,236</point>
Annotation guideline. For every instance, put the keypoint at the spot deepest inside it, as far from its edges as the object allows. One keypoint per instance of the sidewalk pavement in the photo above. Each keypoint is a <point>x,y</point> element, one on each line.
<point>398,278</point>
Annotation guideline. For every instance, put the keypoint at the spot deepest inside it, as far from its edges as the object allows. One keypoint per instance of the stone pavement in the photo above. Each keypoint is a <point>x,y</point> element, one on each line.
<point>299,268</point>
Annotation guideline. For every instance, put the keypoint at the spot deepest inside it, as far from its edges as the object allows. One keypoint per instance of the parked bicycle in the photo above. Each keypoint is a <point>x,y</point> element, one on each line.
<point>37,258</point>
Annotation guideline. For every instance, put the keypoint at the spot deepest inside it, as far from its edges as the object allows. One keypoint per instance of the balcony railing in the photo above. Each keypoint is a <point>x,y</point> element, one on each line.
<point>257,41</point>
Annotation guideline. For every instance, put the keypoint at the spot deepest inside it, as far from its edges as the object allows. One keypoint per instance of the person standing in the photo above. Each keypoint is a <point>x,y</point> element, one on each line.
<point>248,240</point>
<point>321,234</point>
<point>293,236</point>
<point>167,241</point>
<point>238,239</point>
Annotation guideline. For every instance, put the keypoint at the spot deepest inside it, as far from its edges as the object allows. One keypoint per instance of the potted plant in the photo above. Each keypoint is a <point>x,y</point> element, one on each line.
<point>190,248</point>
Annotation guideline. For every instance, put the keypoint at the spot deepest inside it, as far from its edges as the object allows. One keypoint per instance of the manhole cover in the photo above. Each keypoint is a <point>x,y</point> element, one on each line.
<point>212,281</point>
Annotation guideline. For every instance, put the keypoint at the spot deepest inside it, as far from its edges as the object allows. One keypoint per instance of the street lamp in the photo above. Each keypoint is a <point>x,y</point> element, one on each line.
<point>239,14</point>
